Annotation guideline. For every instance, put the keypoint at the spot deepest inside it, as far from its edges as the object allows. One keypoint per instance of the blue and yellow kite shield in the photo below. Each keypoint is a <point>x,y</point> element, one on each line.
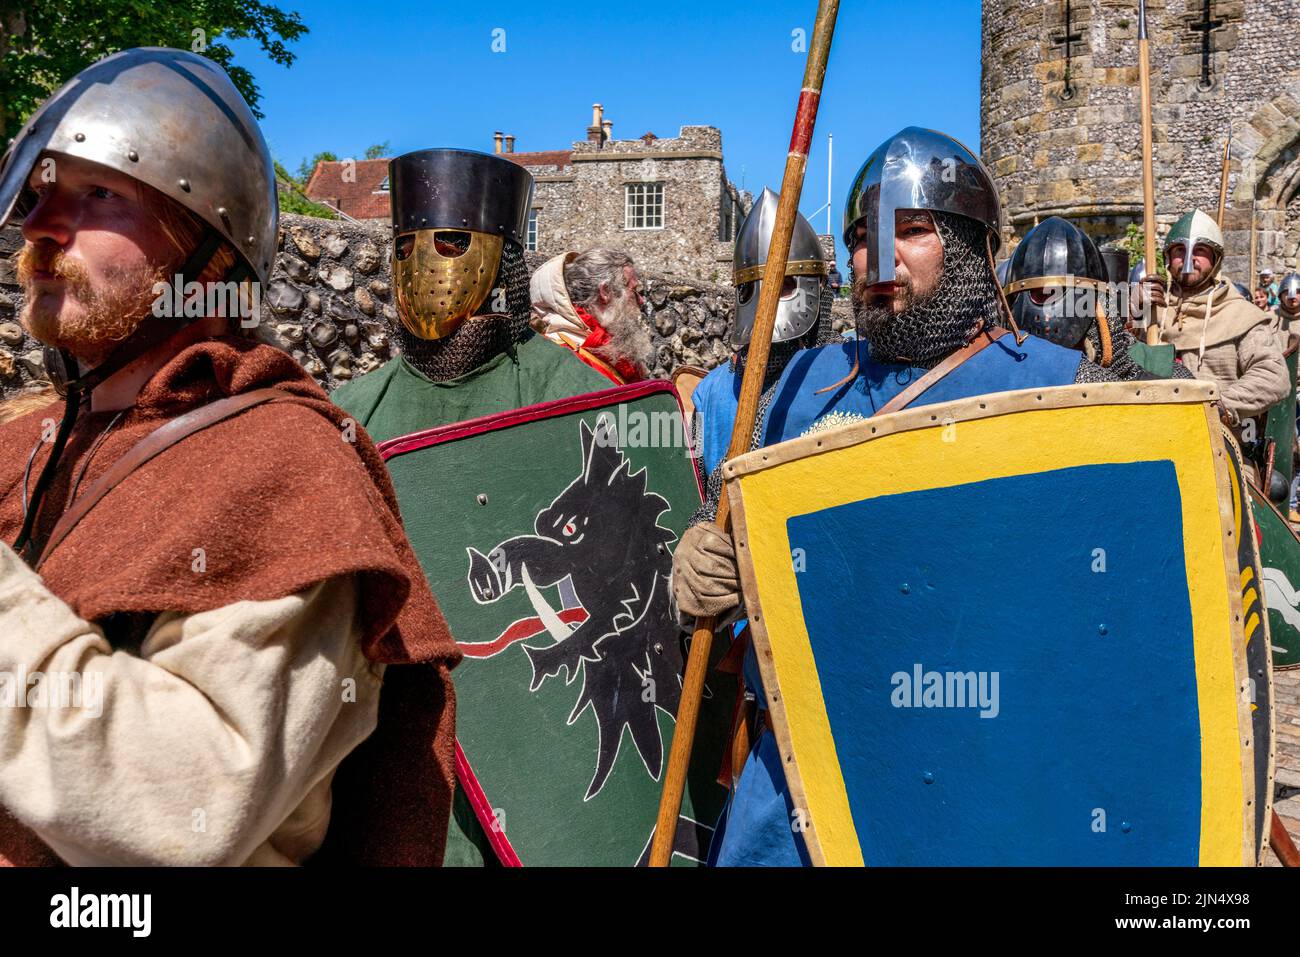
<point>1008,630</point>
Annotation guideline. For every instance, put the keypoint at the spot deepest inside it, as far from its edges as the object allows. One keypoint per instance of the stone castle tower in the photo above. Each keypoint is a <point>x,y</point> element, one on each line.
<point>1061,128</point>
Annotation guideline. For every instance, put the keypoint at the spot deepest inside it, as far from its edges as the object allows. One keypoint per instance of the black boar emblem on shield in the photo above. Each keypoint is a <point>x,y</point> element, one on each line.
<point>601,545</point>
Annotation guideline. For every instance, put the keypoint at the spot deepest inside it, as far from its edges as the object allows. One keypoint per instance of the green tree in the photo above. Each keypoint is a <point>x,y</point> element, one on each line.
<point>1135,242</point>
<point>308,166</point>
<point>378,151</point>
<point>294,200</point>
<point>45,42</point>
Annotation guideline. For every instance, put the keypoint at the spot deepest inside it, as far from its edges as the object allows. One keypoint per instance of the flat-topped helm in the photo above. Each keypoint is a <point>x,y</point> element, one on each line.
<point>453,210</point>
<point>806,270</point>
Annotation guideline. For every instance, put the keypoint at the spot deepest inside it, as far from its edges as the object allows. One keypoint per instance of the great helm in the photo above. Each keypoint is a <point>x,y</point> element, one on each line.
<point>805,271</point>
<point>1056,255</point>
<point>1195,227</point>
<point>452,212</point>
<point>916,169</point>
<point>172,120</point>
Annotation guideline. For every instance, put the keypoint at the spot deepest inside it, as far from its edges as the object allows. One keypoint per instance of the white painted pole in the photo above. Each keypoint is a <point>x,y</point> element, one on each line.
<point>830,152</point>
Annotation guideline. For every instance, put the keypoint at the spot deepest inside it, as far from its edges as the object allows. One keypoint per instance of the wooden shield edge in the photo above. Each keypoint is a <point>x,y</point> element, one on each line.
<point>1262,839</point>
<point>979,407</point>
<point>1263,499</point>
<point>1227,496</point>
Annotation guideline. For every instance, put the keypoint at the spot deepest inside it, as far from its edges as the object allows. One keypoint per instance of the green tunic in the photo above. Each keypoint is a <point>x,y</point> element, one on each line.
<point>397,400</point>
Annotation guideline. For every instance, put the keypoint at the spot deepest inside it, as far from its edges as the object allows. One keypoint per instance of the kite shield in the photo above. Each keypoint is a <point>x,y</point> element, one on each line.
<point>547,534</point>
<point>1008,630</point>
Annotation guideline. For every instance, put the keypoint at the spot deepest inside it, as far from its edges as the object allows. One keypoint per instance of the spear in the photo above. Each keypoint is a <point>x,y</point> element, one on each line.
<point>1223,180</point>
<point>751,387</point>
<point>1148,162</point>
<point>1254,204</point>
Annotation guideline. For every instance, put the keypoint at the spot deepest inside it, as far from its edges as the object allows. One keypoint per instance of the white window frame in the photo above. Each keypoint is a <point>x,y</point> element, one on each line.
<point>635,197</point>
<point>383,187</point>
<point>532,233</point>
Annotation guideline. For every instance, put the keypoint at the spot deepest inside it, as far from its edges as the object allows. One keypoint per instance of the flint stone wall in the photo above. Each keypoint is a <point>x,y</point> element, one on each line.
<point>1079,154</point>
<point>329,304</point>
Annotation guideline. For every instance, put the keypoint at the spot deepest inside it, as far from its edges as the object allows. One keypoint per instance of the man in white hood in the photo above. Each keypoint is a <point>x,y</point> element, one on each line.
<point>590,303</point>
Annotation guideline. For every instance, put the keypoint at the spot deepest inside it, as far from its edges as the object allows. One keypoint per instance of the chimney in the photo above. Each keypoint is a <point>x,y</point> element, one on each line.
<point>510,144</point>
<point>496,139</point>
<point>608,127</point>
<point>596,131</point>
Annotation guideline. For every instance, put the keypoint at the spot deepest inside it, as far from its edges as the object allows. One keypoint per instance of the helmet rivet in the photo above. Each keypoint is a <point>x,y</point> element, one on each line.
<point>133,156</point>
<point>80,137</point>
<point>223,212</point>
<point>183,184</point>
<point>250,240</point>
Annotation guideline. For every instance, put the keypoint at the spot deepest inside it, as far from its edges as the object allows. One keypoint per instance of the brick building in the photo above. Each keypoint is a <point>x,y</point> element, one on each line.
<point>1061,124</point>
<point>667,201</point>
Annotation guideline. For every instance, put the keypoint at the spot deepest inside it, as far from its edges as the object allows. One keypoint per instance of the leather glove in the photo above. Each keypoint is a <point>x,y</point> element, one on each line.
<point>705,578</point>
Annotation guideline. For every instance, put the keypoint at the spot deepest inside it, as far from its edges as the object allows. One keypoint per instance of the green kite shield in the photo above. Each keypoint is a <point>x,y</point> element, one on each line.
<point>1280,556</point>
<point>1275,430</point>
<point>1010,630</point>
<point>547,533</point>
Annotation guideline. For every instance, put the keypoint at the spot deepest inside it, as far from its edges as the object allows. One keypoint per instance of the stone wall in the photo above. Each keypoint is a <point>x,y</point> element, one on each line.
<point>329,304</point>
<point>1076,151</point>
<point>581,205</point>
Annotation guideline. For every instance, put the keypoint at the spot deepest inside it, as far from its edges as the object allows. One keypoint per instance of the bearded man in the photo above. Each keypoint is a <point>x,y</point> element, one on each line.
<point>591,304</point>
<point>221,577</point>
<point>1219,334</point>
<point>922,224</point>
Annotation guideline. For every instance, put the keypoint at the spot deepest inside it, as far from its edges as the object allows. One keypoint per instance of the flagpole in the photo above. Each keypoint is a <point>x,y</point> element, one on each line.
<point>751,386</point>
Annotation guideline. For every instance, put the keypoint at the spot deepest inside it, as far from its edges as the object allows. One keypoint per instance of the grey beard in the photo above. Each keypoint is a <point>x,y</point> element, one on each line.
<point>629,333</point>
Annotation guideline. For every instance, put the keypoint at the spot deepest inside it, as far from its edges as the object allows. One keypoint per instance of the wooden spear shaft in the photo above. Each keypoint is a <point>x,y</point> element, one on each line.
<point>1254,276</point>
<point>751,387</point>
<point>1148,162</point>
<point>1223,182</point>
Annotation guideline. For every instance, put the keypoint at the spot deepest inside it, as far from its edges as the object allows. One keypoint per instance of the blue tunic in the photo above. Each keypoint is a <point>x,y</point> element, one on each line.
<point>758,825</point>
<point>716,398</point>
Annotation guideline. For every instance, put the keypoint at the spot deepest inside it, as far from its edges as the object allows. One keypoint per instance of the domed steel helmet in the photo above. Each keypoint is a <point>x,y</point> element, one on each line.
<point>452,212</point>
<point>172,120</point>
<point>805,271</point>
<point>1196,227</point>
<point>1056,282</point>
<point>1288,289</point>
<point>916,169</point>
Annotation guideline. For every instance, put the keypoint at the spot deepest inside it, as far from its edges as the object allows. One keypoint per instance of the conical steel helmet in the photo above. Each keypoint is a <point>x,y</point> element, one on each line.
<point>170,119</point>
<point>916,169</point>
<point>800,302</point>
<point>1195,227</point>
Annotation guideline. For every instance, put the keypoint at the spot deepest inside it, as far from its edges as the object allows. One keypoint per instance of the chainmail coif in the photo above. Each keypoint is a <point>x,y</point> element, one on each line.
<point>478,339</point>
<point>939,324</point>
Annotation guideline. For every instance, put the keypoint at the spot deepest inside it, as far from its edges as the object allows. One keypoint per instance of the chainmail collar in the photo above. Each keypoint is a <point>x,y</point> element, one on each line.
<point>480,338</point>
<point>965,302</point>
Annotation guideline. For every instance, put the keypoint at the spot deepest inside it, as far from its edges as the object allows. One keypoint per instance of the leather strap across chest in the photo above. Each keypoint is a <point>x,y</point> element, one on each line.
<point>151,446</point>
<point>951,362</point>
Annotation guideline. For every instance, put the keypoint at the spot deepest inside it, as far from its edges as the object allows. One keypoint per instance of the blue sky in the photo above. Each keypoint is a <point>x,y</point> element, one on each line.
<point>420,75</point>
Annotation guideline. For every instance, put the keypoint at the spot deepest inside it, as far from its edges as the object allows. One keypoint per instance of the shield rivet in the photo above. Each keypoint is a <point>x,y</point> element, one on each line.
<point>183,184</point>
<point>1125,826</point>
<point>928,777</point>
<point>659,649</point>
<point>80,137</point>
<point>1101,629</point>
<point>133,156</point>
<point>905,588</point>
<point>660,548</point>
<point>481,498</point>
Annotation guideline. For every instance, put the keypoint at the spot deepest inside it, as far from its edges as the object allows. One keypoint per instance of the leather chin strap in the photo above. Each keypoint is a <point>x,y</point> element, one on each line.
<point>77,389</point>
